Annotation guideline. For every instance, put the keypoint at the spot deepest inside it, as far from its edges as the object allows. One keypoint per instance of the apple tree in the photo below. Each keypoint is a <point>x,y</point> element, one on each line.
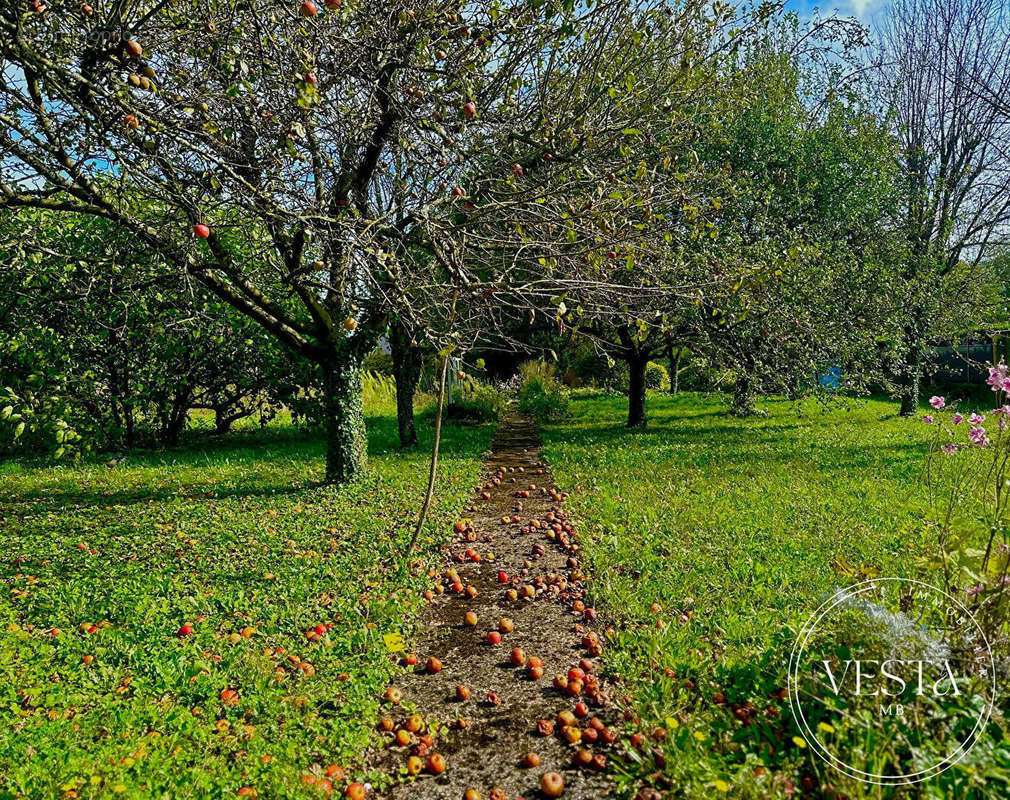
<point>100,339</point>
<point>316,166</point>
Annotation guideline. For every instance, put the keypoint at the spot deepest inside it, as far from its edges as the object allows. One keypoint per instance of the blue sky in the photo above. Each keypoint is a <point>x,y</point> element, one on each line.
<point>863,9</point>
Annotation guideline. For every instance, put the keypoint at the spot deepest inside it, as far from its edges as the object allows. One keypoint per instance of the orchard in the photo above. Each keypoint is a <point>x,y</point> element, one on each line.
<point>479,400</point>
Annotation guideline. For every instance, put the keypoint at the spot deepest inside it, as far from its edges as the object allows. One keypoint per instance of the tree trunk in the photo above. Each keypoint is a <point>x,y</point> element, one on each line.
<point>175,419</point>
<point>406,373</point>
<point>636,392</point>
<point>346,443</point>
<point>222,421</point>
<point>909,375</point>
<point>675,370</point>
<point>743,397</point>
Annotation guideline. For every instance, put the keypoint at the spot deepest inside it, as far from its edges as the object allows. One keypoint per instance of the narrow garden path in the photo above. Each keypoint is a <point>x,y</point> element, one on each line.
<point>483,706</point>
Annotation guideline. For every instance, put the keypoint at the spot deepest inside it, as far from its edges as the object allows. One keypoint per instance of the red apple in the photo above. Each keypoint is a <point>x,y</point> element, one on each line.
<point>469,109</point>
<point>185,630</point>
<point>308,9</point>
<point>201,231</point>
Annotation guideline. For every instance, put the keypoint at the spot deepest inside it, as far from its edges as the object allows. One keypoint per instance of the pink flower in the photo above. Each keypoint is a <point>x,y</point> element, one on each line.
<point>975,589</point>
<point>957,419</point>
<point>937,402</point>
<point>949,449</point>
<point>976,419</point>
<point>1002,423</point>
<point>928,419</point>
<point>997,375</point>
<point>1004,548</point>
<point>978,437</point>
<point>1006,385</point>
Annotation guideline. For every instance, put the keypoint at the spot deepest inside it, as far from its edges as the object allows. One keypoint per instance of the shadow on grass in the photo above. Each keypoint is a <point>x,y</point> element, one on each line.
<point>698,435</point>
<point>271,461</point>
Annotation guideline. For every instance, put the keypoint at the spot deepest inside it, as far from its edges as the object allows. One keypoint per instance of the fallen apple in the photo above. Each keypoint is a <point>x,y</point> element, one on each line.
<point>552,784</point>
<point>356,791</point>
<point>436,764</point>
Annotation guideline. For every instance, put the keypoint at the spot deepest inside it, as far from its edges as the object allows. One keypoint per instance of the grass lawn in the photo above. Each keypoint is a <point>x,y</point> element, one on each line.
<point>738,523</point>
<point>235,539</point>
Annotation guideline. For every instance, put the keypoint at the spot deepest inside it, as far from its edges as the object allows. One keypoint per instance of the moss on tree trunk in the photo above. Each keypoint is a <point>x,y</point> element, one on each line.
<point>346,441</point>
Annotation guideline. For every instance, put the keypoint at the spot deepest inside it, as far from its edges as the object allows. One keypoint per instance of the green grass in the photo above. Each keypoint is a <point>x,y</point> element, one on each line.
<point>739,522</point>
<point>172,537</point>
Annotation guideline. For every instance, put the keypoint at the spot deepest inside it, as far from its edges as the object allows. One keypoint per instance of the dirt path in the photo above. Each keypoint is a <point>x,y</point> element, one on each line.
<point>537,554</point>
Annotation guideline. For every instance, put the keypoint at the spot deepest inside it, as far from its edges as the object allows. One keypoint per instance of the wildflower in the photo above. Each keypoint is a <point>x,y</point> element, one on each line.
<point>937,402</point>
<point>1004,548</point>
<point>949,449</point>
<point>976,419</point>
<point>997,375</point>
<point>975,590</point>
<point>1002,423</point>
<point>957,419</point>
<point>978,437</point>
<point>928,419</point>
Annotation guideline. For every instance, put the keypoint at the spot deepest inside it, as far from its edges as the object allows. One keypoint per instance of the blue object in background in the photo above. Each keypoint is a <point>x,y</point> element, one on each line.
<point>831,379</point>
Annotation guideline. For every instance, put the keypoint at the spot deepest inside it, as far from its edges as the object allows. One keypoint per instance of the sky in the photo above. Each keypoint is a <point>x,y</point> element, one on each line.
<point>862,9</point>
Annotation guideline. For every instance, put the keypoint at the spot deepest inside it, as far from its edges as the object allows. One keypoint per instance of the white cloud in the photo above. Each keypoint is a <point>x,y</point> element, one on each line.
<point>864,9</point>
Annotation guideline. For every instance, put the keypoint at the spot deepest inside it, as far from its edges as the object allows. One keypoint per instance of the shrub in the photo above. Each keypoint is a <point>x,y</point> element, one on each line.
<point>656,376</point>
<point>378,362</point>
<point>540,393</point>
<point>590,368</point>
<point>474,400</point>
